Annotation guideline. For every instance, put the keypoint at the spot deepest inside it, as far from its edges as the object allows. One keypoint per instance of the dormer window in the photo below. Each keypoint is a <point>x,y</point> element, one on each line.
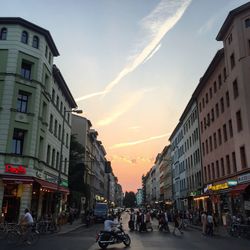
<point>24,38</point>
<point>247,23</point>
<point>35,42</point>
<point>3,34</point>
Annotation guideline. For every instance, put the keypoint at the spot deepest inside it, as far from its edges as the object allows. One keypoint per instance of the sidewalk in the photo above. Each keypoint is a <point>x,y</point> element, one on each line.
<point>66,228</point>
<point>218,231</point>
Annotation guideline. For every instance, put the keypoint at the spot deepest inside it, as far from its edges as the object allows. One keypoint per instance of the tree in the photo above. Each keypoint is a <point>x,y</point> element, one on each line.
<point>129,199</point>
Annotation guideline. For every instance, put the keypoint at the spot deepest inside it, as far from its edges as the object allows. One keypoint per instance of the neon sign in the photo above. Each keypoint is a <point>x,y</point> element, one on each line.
<point>9,168</point>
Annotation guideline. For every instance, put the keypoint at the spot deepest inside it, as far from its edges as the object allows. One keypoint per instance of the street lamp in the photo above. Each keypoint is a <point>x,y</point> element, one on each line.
<point>78,111</point>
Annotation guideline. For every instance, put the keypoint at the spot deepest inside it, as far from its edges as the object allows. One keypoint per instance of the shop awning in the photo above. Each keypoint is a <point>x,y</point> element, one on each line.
<point>64,190</point>
<point>17,179</point>
<point>239,188</point>
<point>46,184</point>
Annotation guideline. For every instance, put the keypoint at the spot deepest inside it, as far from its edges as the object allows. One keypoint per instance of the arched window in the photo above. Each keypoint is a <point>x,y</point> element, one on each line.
<point>3,34</point>
<point>24,38</point>
<point>35,42</point>
<point>247,22</point>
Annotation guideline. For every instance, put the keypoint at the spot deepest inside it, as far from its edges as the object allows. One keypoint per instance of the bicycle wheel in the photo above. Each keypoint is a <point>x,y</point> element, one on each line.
<point>12,237</point>
<point>32,238</point>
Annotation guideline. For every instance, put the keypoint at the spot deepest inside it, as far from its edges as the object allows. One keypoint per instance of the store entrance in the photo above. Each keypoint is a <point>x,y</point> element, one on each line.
<point>11,203</point>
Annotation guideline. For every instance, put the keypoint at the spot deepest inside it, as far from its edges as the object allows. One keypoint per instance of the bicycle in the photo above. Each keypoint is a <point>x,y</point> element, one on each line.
<point>23,234</point>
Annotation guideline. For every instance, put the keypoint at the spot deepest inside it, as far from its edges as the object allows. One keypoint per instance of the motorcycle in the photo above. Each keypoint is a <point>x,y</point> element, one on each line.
<point>105,238</point>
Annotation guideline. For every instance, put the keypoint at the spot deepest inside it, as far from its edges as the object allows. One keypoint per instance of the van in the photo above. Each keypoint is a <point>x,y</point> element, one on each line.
<point>101,211</point>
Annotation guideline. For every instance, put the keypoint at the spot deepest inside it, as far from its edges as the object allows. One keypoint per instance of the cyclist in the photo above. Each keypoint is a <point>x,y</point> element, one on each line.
<point>26,223</point>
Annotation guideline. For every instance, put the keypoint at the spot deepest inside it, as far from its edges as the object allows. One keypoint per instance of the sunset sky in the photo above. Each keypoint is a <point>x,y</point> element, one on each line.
<point>131,65</point>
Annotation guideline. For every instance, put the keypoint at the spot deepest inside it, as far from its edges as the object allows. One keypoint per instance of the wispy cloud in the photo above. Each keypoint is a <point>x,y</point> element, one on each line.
<point>162,19</point>
<point>132,161</point>
<point>152,54</point>
<point>123,107</point>
<point>207,26</point>
<point>134,127</point>
<point>128,144</point>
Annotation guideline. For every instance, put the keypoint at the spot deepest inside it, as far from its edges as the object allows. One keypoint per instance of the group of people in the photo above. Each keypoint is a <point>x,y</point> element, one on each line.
<point>140,220</point>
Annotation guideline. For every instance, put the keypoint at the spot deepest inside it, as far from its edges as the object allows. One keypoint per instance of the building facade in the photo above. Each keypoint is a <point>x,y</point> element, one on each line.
<point>34,98</point>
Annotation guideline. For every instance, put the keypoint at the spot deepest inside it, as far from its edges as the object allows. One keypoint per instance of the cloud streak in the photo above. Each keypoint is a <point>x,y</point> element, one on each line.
<point>128,144</point>
<point>162,19</point>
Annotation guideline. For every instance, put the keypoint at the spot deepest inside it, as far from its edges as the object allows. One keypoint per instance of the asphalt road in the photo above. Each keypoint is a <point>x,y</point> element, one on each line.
<point>84,239</point>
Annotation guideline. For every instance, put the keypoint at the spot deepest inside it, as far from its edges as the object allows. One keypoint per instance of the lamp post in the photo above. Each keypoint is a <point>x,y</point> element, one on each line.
<point>78,111</point>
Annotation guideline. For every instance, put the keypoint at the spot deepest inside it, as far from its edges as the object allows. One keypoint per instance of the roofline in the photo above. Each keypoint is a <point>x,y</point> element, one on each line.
<point>62,84</point>
<point>211,68</point>
<point>34,27</point>
<point>175,130</point>
<point>228,21</point>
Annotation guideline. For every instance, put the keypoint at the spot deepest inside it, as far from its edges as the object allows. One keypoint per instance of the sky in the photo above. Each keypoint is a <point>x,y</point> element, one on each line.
<point>131,65</point>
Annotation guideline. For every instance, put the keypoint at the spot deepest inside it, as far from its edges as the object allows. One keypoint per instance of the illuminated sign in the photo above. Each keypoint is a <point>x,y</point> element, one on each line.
<point>9,168</point>
<point>218,186</point>
<point>232,183</point>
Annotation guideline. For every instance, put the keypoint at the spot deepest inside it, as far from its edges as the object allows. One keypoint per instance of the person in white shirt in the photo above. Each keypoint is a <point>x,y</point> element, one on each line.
<point>26,223</point>
<point>109,224</point>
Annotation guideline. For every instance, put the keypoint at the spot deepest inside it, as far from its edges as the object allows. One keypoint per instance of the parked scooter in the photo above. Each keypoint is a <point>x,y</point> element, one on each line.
<point>105,238</point>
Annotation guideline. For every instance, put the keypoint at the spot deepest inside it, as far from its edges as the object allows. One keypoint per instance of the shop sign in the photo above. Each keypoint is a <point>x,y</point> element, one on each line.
<point>218,186</point>
<point>244,178</point>
<point>64,183</point>
<point>232,183</point>
<point>51,179</point>
<point>9,168</point>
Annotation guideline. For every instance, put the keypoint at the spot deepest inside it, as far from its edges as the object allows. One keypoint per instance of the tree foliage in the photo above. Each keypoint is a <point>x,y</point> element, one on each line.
<point>129,199</point>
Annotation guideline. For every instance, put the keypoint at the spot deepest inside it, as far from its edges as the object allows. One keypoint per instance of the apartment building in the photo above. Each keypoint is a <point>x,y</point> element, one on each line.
<point>34,107</point>
<point>224,116</point>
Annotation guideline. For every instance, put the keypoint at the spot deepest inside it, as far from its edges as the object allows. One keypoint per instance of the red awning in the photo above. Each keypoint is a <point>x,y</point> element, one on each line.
<point>17,179</point>
<point>46,184</point>
<point>239,188</point>
<point>64,190</point>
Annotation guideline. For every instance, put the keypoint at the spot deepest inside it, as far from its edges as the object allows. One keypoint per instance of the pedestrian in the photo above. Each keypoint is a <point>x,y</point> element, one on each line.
<point>177,223</point>
<point>210,224</point>
<point>204,222</point>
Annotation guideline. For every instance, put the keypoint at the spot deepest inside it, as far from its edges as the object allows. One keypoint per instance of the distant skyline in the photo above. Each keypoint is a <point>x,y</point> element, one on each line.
<point>132,66</point>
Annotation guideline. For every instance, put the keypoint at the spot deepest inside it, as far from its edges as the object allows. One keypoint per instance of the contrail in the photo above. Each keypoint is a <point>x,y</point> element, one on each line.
<point>162,19</point>
<point>127,144</point>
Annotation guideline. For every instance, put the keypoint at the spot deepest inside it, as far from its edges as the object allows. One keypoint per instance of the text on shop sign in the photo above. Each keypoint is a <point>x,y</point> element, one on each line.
<point>15,169</point>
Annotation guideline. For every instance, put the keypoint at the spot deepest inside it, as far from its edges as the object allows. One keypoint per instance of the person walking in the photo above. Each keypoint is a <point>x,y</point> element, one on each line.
<point>204,222</point>
<point>177,223</point>
<point>210,224</point>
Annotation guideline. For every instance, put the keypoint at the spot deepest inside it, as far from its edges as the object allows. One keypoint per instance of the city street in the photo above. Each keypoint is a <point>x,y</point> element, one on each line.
<point>84,239</point>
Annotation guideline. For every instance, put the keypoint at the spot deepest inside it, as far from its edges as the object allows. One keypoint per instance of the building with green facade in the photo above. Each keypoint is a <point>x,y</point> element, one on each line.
<point>35,122</point>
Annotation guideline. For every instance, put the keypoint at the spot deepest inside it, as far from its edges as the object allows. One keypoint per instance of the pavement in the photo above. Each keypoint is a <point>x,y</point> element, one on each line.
<point>218,231</point>
<point>67,228</point>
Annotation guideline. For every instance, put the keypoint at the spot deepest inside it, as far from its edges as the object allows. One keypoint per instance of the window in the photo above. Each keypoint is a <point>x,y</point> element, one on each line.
<point>203,148</point>
<point>46,51</point>
<point>57,101</point>
<point>210,93</point>
<point>22,101</point>
<point>44,111</point>
<point>217,169</point>
<point>212,115</point>
<point>59,132</point>
<point>26,70</point>
<point>53,158</point>
<point>224,74</point>
<point>225,132</point>
<point>219,80</point>
<point>243,157</point>
<point>201,127</point>
<point>235,89</point>
<point>210,143</point>
<point>234,162</point>
<point>67,140</point>
<point>57,160</point>
<point>215,86</point>
<point>227,99</point>
<point>65,166</point>
<point>239,121</point>
<point>213,172</point>
<point>230,128</point>
<point>205,172</point>
<point>247,23</point>
<point>51,123</point>
<point>55,128</point>
<point>48,155</point>
<point>222,167</point>
<point>18,141</point>
<point>203,103</point>
<point>232,61</point>
<point>49,58</point>
<point>217,110</point>
<point>35,42</point>
<point>206,146</point>
<point>215,141</point>
<point>219,136</point>
<point>206,97</point>
<point>209,172</point>
<point>228,164</point>
<point>222,105</point>
<point>3,34</point>
<point>25,37</point>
